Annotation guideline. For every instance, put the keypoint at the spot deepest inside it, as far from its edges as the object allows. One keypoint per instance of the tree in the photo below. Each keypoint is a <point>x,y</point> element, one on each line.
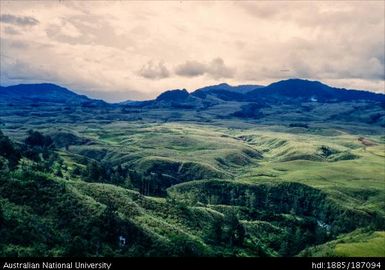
<point>94,171</point>
<point>76,171</point>
<point>9,151</point>
<point>35,138</point>
<point>1,217</point>
<point>110,224</point>
<point>58,173</point>
<point>4,165</point>
<point>234,232</point>
<point>233,197</point>
<point>250,199</point>
<point>214,232</point>
<point>77,247</point>
<point>6,146</point>
<point>283,249</point>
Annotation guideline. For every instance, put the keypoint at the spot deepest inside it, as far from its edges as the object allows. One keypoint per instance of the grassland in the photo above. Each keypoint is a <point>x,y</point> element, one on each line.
<point>249,159</point>
<point>350,172</point>
<point>356,244</point>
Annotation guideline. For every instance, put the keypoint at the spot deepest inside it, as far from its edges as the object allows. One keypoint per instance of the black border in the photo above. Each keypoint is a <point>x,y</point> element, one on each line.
<point>201,263</point>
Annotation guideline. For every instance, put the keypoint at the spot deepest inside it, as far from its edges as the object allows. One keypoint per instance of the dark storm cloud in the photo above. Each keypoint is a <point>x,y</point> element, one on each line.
<point>18,20</point>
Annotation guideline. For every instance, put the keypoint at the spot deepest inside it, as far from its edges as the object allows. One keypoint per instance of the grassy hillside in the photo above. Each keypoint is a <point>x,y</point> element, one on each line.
<point>359,243</point>
<point>186,183</point>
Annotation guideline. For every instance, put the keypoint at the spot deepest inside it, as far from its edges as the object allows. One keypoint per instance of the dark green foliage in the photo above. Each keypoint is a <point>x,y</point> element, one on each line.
<point>56,217</point>
<point>9,151</point>
<point>66,139</point>
<point>104,173</point>
<point>286,198</point>
<point>233,230</point>
<point>326,151</point>
<point>35,138</point>
<point>214,232</point>
<point>153,184</point>
<point>41,149</point>
<point>94,172</point>
<point>1,217</point>
<point>76,171</point>
<point>282,198</point>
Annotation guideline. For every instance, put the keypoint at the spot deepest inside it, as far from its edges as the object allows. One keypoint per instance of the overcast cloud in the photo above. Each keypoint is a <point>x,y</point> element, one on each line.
<point>154,71</point>
<point>23,21</point>
<point>134,50</point>
<point>215,69</point>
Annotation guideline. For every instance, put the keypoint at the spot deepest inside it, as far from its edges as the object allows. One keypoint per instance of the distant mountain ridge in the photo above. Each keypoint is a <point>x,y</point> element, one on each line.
<point>173,95</point>
<point>285,91</point>
<point>45,92</point>
<point>242,89</point>
<point>296,100</point>
<point>310,90</point>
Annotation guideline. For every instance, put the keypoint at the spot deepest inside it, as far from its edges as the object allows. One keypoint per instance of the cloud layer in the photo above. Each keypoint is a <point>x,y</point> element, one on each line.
<point>215,69</point>
<point>123,49</point>
<point>154,71</point>
<point>17,20</point>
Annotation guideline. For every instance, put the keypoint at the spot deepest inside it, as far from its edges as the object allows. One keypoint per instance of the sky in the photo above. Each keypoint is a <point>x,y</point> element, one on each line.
<point>119,50</point>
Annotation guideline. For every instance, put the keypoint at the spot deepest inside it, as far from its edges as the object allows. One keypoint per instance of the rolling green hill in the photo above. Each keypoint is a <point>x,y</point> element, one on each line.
<point>223,178</point>
<point>356,244</point>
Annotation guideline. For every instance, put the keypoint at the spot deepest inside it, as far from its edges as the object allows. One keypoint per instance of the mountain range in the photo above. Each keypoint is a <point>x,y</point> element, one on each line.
<point>291,101</point>
<point>279,91</point>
